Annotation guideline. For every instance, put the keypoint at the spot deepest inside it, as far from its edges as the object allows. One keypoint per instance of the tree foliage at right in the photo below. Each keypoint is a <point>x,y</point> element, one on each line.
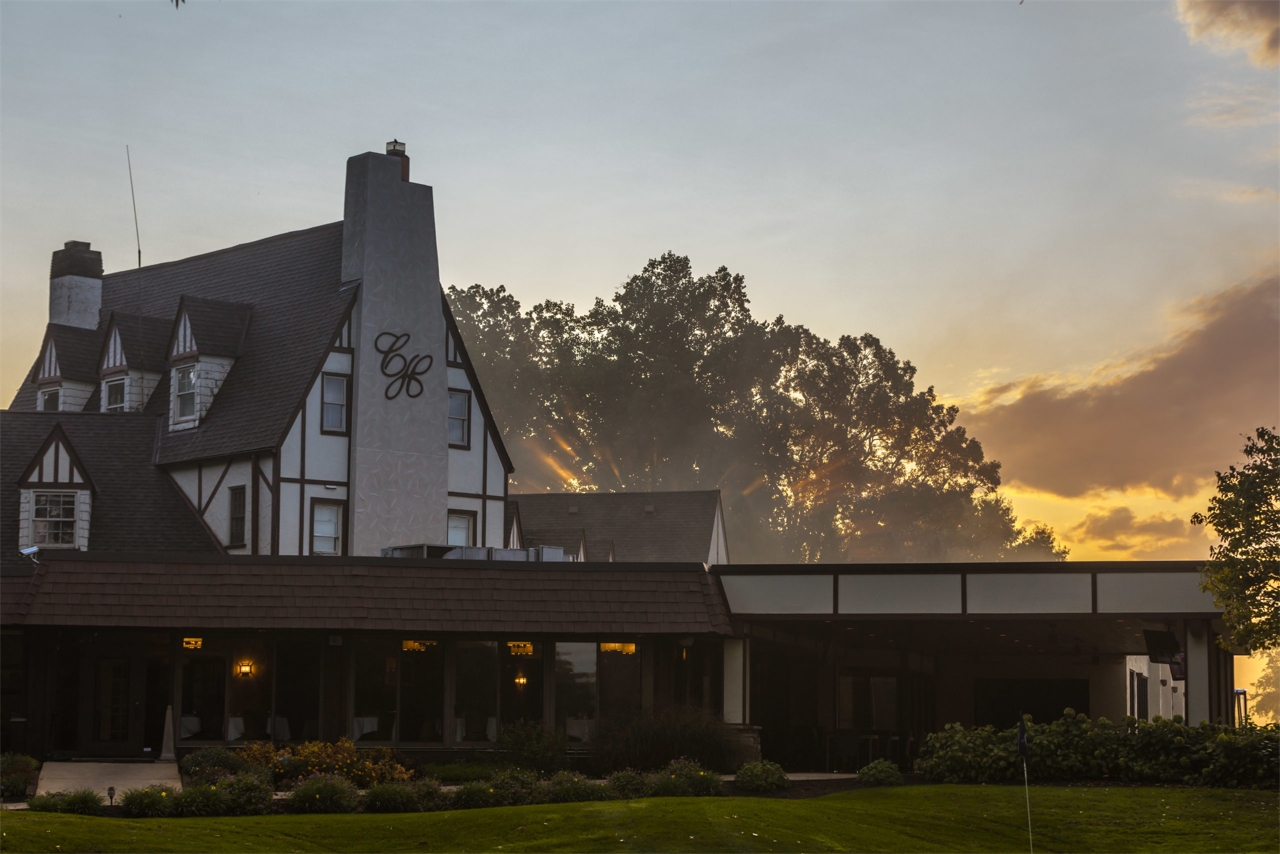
<point>1243,570</point>
<point>823,450</point>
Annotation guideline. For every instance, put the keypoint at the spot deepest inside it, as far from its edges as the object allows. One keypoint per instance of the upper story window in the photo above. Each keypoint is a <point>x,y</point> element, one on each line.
<point>462,528</point>
<point>237,516</point>
<point>114,396</point>
<point>53,519</point>
<point>333,415</point>
<point>459,419</point>
<point>451,354</point>
<point>184,383</point>
<point>50,399</point>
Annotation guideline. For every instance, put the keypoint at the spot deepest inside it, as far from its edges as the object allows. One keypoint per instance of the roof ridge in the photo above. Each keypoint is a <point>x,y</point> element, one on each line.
<point>163,264</point>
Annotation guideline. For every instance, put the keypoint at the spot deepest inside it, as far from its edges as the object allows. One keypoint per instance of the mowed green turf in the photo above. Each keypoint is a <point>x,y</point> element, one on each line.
<point>917,818</point>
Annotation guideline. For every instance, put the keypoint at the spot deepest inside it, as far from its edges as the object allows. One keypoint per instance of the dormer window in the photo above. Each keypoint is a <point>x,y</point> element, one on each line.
<point>184,384</point>
<point>53,519</point>
<point>114,399</point>
<point>55,498</point>
<point>49,399</point>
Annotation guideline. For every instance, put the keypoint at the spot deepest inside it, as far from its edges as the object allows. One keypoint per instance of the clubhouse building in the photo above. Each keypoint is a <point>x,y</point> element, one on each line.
<point>259,494</point>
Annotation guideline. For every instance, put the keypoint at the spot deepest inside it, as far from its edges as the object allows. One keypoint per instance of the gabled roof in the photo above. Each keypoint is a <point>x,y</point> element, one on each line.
<point>77,349</point>
<point>451,326</point>
<point>218,327</point>
<point>395,594</point>
<point>142,338</point>
<point>56,463</point>
<point>637,526</point>
<point>136,506</point>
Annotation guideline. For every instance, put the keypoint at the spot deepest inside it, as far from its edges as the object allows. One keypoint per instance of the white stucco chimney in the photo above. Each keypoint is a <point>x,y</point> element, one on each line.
<point>75,285</point>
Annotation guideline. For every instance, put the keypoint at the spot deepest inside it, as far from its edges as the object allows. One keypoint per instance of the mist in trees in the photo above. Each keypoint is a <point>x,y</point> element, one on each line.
<point>823,451</point>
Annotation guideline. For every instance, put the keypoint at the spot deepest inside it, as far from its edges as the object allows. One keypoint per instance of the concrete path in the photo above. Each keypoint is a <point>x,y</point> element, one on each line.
<point>65,776</point>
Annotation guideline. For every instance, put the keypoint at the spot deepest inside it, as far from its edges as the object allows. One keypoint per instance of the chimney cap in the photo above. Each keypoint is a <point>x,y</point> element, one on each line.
<point>76,259</point>
<point>395,146</point>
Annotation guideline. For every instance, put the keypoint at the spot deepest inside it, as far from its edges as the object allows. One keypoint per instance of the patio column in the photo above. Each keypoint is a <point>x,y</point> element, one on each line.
<point>1198,686</point>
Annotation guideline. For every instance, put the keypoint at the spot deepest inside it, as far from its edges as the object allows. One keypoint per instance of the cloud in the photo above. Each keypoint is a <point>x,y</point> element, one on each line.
<point>1228,25</point>
<point>1234,193</point>
<point>1236,106</point>
<point>1163,420</point>
<point>1118,530</point>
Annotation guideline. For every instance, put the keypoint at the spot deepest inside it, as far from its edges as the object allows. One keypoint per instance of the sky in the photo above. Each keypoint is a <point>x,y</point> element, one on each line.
<point>1065,214</point>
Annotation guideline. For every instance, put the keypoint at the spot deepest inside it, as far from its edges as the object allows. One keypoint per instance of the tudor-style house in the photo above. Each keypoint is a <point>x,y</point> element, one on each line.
<point>259,494</point>
<point>310,392</point>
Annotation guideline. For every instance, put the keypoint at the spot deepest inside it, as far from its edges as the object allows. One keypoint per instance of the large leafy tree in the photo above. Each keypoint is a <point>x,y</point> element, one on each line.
<point>822,450</point>
<point>1243,570</point>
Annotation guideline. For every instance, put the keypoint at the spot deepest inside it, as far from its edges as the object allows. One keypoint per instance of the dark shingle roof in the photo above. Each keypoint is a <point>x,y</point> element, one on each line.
<point>136,506</point>
<point>373,593</point>
<point>679,528</point>
<point>78,350</point>
<point>143,340</point>
<point>293,281</point>
<point>218,327</point>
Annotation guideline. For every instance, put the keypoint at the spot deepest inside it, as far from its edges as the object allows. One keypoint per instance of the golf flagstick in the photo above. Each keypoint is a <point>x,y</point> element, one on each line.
<point>1024,751</point>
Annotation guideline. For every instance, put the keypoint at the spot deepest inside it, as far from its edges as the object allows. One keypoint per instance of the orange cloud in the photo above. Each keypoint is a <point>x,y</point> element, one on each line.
<point>1119,531</point>
<point>1164,420</point>
<point>1229,25</point>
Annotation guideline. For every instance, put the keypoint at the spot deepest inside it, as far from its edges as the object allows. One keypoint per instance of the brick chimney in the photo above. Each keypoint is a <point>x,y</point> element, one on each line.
<point>75,285</point>
<point>395,148</point>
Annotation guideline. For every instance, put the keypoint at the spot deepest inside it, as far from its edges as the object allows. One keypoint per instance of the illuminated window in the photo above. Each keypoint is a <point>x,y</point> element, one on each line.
<point>520,647</point>
<point>624,648</point>
<point>192,643</point>
<point>416,645</point>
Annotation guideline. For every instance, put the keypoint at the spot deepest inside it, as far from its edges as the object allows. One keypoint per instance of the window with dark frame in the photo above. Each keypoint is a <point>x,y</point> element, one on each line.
<point>53,519</point>
<point>452,356</point>
<point>49,400</point>
<point>326,527</point>
<point>185,391</point>
<point>333,408</point>
<point>459,419</point>
<point>115,395</point>
<point>462,528</point>
<point>237,516</point>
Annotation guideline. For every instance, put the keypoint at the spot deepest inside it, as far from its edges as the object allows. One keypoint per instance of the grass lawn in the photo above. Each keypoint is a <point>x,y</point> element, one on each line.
<point>916,818</point>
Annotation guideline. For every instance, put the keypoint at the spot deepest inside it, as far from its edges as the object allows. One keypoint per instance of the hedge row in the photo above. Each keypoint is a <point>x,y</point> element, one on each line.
<point>1076,748</point>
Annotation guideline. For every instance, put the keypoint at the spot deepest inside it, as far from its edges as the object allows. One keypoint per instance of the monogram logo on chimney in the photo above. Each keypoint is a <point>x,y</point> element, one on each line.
<point>403,371</point>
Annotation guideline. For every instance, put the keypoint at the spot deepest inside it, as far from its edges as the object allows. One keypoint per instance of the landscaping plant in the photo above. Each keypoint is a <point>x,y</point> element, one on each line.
<point>528,744</point>
<point>684,778</point>
<point>390,797</point>
<point>761,777</point>
<point>627,784</point>
<point>362,767</point>
<point>323,793</point>
<point>513,787</point>
<point>16,773</point>
<point>149,802</point>
<point>211,764</point>
<point>249,793</point>
<point>881,772</point>
<point>472,795</point>
<point>429,795</point>
<point>48,802</point>
<point>199,801</point>
<point>81,802</point>
<point>647,743</point>
<point>1162,751</point>
<point>567,787</point>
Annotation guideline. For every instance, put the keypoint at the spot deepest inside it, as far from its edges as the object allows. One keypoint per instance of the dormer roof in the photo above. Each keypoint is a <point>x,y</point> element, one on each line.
<point>209,327</point>
<point>56,464</point>
<point>68,353</point>
<point>138,342</point>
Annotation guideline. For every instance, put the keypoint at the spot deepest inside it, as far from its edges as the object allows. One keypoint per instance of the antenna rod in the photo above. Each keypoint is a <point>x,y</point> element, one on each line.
<point>136,233</point>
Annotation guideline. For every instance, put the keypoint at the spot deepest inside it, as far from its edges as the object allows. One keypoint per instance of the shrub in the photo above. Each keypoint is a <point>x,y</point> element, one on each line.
<point>763,776</point>
<point>364,768</point>
<point>16,773</point>
<point>81,802</point>
<point>390,797</point>
<point>429,795</point>
<point>567,787</point>
<point>150,802</point>
<point>48,802</point>
<point>248,793</point>
<point>211,764</point>
<point>650,742</point>
<point>199,801</point>
<point>513,787</point>
<point>528,744</point>
<point>882,772</point>
<point>260,754</point>
<point>454,773</point>
<point>627,784</point>
<point>472,795</point>
<point>683,778</point>
<point>323,793</point>
<point>1160,751</point>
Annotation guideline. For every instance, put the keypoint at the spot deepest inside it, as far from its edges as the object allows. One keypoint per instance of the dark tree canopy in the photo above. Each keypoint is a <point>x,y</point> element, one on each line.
<point>1243,570</point>
<point>823,451</point>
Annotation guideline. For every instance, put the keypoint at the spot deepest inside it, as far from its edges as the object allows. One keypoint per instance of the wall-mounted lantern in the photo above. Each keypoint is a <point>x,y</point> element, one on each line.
<point>521,679</point>
<point>244,669</point>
